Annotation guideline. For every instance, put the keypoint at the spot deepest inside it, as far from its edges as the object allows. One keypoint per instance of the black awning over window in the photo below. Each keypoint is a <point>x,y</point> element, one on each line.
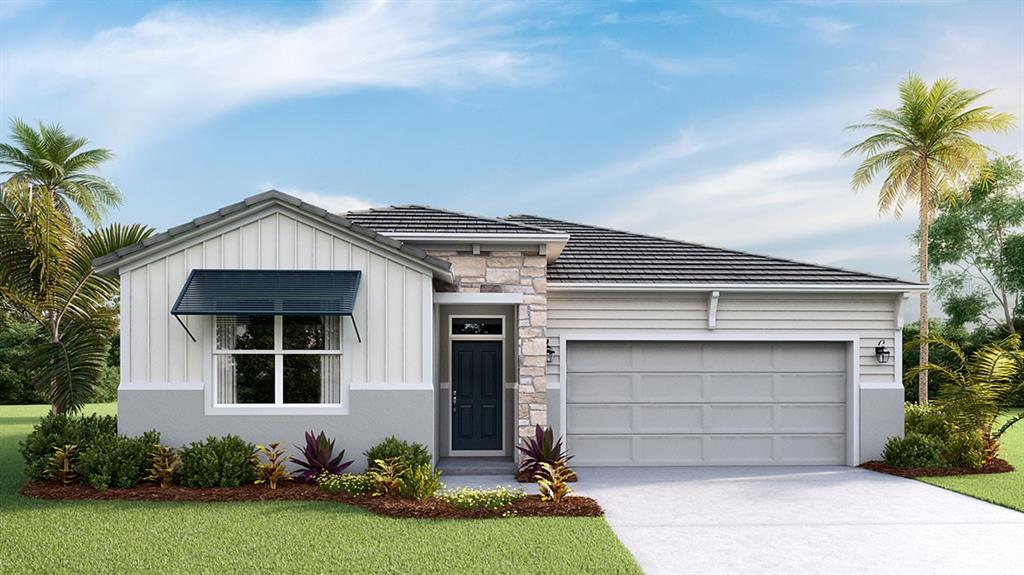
<point>268,292</point>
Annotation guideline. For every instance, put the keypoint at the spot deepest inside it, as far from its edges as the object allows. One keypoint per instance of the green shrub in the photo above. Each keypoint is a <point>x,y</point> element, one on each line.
<point>421,483</point>
<point>56,431</point>
<point>388,477</point>
<point>927,420</point>
<point>218,462</point>
<point>965,449</point>
<point>118,460</point>
<point>409,455</point>
<point>914,450</point>
<point>493,499</point>
<point>360,484</point>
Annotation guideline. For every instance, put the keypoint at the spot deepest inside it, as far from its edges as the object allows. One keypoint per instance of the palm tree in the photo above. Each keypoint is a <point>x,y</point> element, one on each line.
<point>975,388</point>
<point>925,148</point>
<point>46,273</point>
<point>46,276</point>
<point>52,161</point>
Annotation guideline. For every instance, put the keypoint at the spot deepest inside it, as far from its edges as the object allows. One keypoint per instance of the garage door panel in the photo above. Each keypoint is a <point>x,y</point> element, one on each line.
<point>601,356</point>
<point>600,418</point>
<point>812,449</point>
<point>737,356</point>
<point>598,387</point>
<point>810,387</point>
<point>669,387</point>
<point>738,418</point>
<point>602,450</point>
<point>739,449</point>
<point>666,356</point>
<point>706,403</point>
<point>670,450</point>
<point>739,387</point>
<point>669,418</point>
<point>810,418</point>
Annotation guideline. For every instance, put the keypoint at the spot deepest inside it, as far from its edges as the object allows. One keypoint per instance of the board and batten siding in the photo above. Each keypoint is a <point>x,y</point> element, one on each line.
<point>872,317</point>
<point>392,309</point>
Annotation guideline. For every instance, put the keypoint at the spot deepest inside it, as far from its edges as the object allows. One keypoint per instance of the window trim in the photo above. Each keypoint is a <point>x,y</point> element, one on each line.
<point>278,352</point>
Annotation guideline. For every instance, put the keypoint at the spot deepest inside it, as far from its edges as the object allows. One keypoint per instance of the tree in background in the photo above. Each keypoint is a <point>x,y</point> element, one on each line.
<point>971,250</point>
<point>46,253</point>
<point>926,150</point>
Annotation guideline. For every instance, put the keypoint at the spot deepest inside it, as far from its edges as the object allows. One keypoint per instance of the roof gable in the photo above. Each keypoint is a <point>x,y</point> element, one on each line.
<point>602,255</point>
<point>214,220</point>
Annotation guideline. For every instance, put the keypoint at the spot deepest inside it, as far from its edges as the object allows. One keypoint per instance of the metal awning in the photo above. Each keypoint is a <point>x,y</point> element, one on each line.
<point>268,292</point>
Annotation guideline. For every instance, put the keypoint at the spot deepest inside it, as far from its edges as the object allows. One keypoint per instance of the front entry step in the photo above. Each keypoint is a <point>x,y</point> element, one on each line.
<point>477,466</point>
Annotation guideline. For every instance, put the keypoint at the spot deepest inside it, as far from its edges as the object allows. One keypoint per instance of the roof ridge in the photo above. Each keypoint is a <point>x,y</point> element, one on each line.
<point>729,250</point>
<point>398,207</point>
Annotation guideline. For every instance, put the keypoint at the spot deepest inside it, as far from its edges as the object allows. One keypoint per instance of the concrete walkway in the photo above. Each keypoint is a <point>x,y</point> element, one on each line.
<point>793,521</point>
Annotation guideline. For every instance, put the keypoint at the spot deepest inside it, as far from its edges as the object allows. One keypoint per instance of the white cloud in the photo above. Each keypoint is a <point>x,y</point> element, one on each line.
<point>790,195</point>
<point>10,9</point>
<point>666,17</point>
<point>670,66</point>
<point>828,29</point>
<point>177,67</point>
<point>334,203</point>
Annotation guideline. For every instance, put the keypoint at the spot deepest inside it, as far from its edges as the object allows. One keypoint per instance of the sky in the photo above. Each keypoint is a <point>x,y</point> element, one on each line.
<point>713,122</point>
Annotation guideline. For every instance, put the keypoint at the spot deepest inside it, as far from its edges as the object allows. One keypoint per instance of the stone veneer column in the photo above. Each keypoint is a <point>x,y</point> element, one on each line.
<point>515,272</point>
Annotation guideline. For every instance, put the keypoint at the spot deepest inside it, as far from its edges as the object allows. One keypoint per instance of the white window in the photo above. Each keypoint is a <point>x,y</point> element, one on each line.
<point>264,360</point>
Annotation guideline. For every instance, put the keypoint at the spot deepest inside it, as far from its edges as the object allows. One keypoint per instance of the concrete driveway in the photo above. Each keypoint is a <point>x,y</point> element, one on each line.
<point>819,520</point>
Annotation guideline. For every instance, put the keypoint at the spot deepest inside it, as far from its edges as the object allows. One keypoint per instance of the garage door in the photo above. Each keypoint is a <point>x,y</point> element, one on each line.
<point>706,403</point>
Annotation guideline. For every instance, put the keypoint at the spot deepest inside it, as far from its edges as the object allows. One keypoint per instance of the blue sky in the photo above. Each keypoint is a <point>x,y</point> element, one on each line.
<point>719,123</point>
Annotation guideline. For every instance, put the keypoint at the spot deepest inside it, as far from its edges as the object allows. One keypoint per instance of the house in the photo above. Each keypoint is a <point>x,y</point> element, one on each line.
<point>271,317</point>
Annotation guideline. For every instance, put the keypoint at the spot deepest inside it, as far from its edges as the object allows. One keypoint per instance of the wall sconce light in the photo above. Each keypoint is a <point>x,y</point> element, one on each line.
<point>551,354</point>
<point>881,353</point>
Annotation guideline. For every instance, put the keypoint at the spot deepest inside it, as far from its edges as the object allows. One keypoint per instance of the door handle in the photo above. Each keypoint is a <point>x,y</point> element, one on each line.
<point>455,396</point>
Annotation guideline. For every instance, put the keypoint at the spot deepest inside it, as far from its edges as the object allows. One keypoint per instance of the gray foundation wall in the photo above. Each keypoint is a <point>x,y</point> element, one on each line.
<point>375,414</point>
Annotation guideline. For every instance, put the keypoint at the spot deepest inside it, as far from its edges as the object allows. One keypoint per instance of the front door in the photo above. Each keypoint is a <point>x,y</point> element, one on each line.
<point>476,395</point>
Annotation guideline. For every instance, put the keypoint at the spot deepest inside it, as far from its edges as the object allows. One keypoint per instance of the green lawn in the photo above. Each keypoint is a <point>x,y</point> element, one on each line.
<point>1006,489</point>
<point>274,537</point>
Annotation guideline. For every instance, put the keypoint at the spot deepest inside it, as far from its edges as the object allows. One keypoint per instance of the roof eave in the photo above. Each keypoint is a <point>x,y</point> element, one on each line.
<point>738,287</point>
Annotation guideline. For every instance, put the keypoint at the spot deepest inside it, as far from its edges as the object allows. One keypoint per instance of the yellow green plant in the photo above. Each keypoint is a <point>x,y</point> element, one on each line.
<point>271,468</point>
<point>61,466</point>
<point>387,476</point>
<point>164,463</point>
<point>553,480</point>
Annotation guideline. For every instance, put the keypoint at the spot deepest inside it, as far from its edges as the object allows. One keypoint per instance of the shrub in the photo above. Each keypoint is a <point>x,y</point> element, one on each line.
<point>914,450</point>
<point>361,484</point>
<point>62,464</point>
<point>408,454</point>
<point>218,462</point>
<point>271,469</point>
<point>56,431</point>
<point>492,499</point>
<point>163,465</point>
<point>965,449</point>
<point>927,420</point>
<point>552,480</point>
<point>318,457</point>
<point>539,449</point>
<point>421,482</point>
<point>387,476</point>
<point>118,461</point>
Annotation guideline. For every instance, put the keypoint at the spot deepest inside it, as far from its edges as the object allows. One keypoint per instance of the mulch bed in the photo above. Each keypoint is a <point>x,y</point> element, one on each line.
<point>531,506</point>
<point>995,466</point>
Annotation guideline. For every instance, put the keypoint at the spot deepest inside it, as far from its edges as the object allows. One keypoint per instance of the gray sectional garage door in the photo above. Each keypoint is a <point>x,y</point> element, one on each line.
<point>706,403</point>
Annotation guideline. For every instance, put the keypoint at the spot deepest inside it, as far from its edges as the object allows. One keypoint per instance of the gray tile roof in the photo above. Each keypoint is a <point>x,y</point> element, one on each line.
<point>602,255</point>
<point>425,219</point>
<point>259,200</point>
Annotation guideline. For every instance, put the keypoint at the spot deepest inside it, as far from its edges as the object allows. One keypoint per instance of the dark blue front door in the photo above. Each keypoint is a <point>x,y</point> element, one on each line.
<point>476,395</point>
